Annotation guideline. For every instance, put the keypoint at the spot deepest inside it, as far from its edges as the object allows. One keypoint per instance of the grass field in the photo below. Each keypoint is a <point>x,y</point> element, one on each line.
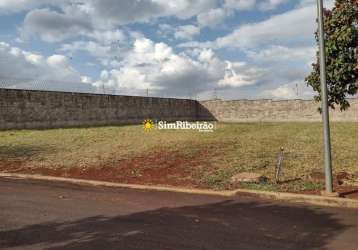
<point>182,157</point>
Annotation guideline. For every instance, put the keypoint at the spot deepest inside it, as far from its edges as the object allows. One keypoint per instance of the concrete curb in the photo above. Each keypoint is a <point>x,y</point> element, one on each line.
<point>302,198</point>
<point>119,185</point>
<point>289,197</point>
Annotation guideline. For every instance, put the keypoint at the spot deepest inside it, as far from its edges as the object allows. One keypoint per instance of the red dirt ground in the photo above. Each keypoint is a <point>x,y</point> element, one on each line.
<point>169,168</point>
<point>163,167</point>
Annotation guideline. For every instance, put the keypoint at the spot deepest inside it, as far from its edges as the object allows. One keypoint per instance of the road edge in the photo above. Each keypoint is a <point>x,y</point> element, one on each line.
<point>118,185</point>
<point>302,198</point>
<point>280,196</point>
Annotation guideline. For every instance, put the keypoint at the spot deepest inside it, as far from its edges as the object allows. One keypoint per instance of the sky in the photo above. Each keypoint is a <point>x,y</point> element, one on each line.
<point>203,49</point>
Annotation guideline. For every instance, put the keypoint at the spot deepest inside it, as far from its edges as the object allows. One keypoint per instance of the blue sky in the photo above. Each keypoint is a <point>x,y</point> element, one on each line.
<point>175,48</point>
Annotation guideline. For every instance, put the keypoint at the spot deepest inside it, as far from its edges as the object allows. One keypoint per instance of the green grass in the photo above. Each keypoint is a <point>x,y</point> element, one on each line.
<point>230,149</point>
<point>291,186</point>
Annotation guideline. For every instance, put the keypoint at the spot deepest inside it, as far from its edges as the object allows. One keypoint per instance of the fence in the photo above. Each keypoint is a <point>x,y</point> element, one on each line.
<point>83,87</point>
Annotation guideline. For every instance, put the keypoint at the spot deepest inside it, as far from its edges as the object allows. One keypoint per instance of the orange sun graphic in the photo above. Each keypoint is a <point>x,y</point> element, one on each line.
<point>148,124</point>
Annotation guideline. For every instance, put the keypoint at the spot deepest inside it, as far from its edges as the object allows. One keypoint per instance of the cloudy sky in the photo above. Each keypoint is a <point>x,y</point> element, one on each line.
<point>232,49</point>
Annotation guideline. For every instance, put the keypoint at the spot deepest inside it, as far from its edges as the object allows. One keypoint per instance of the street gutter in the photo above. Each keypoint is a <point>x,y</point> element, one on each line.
<point>280,196</point>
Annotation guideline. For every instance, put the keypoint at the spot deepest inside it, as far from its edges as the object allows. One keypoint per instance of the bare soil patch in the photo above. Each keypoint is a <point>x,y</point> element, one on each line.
<point>164,167</point>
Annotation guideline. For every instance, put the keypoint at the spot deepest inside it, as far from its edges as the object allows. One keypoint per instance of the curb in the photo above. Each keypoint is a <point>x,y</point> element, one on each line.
<point>119,185</point>
<point>302,198</point>
<point>279,196</point>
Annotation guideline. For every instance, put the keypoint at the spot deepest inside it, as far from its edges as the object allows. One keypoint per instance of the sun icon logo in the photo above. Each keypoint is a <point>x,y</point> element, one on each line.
<point>148,124</point>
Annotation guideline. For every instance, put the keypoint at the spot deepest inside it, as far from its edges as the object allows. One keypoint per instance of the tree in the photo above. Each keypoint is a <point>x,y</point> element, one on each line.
<point>341,36</point>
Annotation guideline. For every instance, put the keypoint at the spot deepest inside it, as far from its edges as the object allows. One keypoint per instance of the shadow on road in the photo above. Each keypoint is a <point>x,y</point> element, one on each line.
<point>223,225</point>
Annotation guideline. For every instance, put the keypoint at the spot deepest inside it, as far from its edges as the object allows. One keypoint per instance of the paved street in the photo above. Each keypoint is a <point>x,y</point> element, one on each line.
<point>44,215</point>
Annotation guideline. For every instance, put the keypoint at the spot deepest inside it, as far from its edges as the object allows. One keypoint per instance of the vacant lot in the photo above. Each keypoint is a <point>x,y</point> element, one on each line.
<point>185,158</point>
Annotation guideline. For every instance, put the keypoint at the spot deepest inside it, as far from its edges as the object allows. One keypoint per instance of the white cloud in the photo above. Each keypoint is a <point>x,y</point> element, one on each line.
<point>282,54</point>
<point>99,17</point>
<point>30,70</point>
<point>327,3</point>
<point>58,61</point>
<point>216,16</point>
<point>277,50</point>
<point>108,36</point>
<point>157,67</point>
<point>247,76</point>
<point>283,92</point>
<point>212,18</point>
<point>95,18</point>
<point>52,26</point>
<point>293,26</point>
<point>262,5</point>
<point>292,90</point>
<point>93,48</point>
<point>185,9</point>
<point>186,32</point>
<point>11,6</point>
<point>86,79</point>
<point>240,4</point>
<point>271,4</point>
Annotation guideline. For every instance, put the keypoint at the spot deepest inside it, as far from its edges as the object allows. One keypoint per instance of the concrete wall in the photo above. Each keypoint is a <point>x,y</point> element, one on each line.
<point>271,111</point>
<point>42,109</point>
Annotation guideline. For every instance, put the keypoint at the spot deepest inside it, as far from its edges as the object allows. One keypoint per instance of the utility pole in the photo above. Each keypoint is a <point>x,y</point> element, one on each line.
<point>324,99</point>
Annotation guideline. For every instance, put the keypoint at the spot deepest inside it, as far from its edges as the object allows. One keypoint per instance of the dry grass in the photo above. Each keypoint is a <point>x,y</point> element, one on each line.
<point>230,149</point>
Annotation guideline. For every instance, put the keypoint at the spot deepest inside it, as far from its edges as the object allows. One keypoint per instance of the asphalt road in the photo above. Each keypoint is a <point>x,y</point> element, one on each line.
<point>44,215</point>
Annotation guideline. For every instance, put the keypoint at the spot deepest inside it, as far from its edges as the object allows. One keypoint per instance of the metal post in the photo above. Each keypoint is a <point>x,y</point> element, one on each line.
<point>324,97</point>
<point>104,90</point>
<point>279,165</point>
